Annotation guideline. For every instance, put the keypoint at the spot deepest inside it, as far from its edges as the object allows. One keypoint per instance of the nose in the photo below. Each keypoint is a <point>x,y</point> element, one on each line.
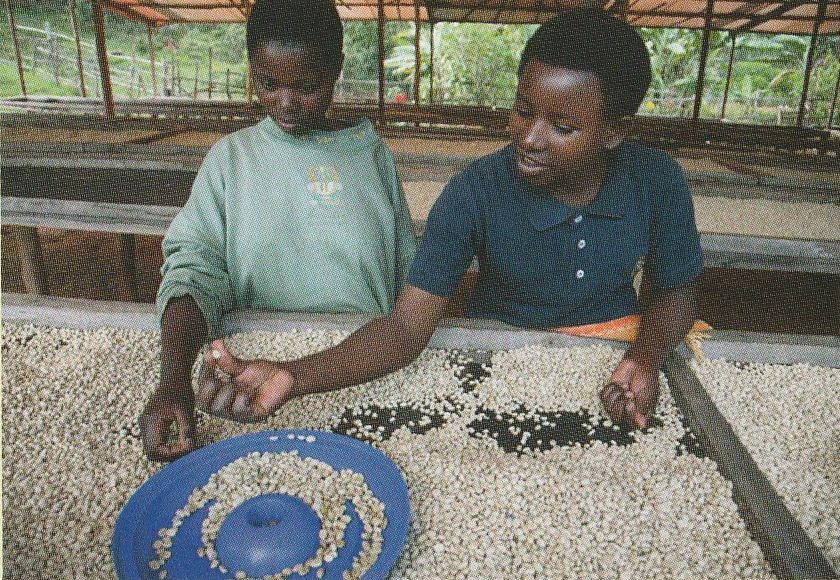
<point>534,135</point>
<point>286,99</point>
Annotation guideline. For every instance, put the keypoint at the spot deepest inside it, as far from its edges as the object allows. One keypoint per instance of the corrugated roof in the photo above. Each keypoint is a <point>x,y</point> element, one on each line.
<point>782,16</point>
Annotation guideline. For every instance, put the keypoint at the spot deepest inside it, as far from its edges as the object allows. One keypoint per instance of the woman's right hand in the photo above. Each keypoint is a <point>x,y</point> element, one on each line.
<point>169,405</point>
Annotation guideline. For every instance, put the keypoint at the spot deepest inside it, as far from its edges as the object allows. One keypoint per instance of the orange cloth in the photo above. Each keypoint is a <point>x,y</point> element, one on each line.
<point>626,329</point>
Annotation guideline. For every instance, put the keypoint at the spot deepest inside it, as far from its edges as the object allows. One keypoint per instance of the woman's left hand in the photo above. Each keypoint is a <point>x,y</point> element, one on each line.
<point>632,393</point>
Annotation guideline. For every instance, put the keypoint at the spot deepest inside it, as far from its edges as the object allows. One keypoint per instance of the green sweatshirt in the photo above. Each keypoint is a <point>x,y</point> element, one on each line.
<point>316,223</point>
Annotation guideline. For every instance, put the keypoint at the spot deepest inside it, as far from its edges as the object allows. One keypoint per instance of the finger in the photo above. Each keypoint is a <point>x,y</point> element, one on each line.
<point>246,410</point>
<point>623,373</point>
<point>208,368</point>
<point>613,400</point>
<point>640,419</point>
<point>273,393</point>
<point>222,402</point>
<point>207,392</point>
<point>226,361</point>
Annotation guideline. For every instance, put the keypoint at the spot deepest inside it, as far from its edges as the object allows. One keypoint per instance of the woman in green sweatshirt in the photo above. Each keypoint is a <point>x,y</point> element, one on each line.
<point>297,213</point>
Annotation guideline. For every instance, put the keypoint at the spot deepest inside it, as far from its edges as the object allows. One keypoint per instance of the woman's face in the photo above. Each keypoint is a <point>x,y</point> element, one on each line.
<point>295,85</point>
<point>558,125</point>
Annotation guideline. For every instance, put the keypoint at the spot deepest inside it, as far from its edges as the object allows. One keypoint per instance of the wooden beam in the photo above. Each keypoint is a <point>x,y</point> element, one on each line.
<point>417,64</point>
<point>151,34</point>
<point>833,102</point>
<point>704,54</point>
<point>775,13</point>
<point>809,61</point>
<point>102,53</point>
<point>16,40</point>
<point>79,62</point>
<point>380,21</point>
<point>732,36</point>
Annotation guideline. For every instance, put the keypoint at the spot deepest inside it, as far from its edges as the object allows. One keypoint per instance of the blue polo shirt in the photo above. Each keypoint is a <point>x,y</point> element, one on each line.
<point>544,264</point>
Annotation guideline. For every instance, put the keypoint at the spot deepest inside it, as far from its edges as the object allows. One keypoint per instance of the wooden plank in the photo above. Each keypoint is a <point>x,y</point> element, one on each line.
<point>760,347</point>
<point>720,250</point>
<point>785,545</point>
<point>87,216</point>
<point>451,333</point>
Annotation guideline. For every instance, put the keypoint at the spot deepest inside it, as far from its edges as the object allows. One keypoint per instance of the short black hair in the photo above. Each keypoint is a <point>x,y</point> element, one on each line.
<point>309,23</point>
<point>591,40</point>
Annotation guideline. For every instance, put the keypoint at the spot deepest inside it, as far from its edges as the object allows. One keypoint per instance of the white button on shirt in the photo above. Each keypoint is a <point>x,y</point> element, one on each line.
<point>581,244</point>
<point>579,274</point>
<point>578,219</point>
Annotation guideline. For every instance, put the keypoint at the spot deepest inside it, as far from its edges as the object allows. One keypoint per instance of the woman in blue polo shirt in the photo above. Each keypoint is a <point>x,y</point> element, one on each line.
<point>557,221</point>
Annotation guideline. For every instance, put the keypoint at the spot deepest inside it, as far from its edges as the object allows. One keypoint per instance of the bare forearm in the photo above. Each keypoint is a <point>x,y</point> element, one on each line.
<point>380,347</point>
<point>666,319</point>
<point>183,331</point>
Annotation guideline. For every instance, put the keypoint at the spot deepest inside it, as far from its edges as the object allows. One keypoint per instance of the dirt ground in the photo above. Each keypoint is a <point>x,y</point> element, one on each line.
<point>85,265</point>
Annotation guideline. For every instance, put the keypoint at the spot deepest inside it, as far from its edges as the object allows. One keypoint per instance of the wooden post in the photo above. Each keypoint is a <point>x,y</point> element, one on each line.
<point>132,73</point>
<point>102,53</point>
<point>417,34</point>
<point>833,103</point>
<point>53,47</point>
<point>16,40</point>
<point>127,280</point>
<point>431,63</point>
<point>704,54</point>
<point>31,261</point>
<point>210,73</point>
<point>227,83</point>
<point>380,20</point>
<point>74,23</point>
<point>809,62</point>
<point>152,58</point>
<point>195,87</point>
<point>732,36</point>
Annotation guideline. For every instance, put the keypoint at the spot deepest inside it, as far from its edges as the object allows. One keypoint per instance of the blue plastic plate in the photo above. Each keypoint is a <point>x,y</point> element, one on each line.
<point>262,533</point>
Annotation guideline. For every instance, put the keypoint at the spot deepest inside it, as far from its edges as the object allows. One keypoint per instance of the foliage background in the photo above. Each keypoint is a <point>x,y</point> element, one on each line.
<point>474,64</point>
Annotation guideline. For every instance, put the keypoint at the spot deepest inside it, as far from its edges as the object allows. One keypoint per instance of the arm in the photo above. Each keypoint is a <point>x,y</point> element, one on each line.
<point>194,293</point>
<point>667,316</point>
<point>382,346</point>
<point>667,301</point>
<point>183,331</point>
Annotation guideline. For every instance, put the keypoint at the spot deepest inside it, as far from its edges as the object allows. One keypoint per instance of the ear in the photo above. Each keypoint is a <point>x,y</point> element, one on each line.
<point>616,131</point>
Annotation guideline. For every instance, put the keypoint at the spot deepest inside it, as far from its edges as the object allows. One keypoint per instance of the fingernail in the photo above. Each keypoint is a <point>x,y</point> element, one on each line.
<point>217,354</point>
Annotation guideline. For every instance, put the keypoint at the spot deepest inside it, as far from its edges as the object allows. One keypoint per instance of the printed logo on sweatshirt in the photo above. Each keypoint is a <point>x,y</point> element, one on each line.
<point>324,184</point>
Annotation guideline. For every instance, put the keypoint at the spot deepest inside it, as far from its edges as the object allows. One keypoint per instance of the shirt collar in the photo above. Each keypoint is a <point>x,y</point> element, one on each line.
<point>545,212</point>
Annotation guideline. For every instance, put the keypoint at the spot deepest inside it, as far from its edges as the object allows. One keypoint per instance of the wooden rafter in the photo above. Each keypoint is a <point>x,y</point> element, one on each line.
<point>775,13</point>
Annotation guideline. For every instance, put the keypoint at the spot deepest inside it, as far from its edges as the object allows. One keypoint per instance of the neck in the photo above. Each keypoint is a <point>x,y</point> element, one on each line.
<point>581,189</point>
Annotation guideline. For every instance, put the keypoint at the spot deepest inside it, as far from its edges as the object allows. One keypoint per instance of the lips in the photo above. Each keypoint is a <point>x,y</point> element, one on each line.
<point>290,125</point>
<point>526,161</point>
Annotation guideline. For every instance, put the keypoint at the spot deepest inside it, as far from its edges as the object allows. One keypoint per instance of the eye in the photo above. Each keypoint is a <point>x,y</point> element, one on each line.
<point>270,85</point>
<point>563,129</point>
<point>310,88</point>
<point>523,110</point>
